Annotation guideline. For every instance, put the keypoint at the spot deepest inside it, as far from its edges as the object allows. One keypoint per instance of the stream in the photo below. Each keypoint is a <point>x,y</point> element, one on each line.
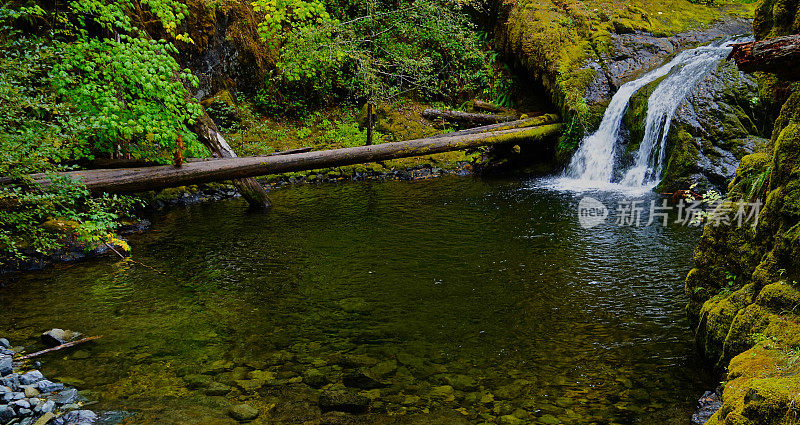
<point>451,300</point>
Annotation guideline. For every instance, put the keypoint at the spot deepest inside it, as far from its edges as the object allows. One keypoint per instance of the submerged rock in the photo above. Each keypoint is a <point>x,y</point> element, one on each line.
<point>55,337</point>
<point>343,401</point>
<point>243,412</point>
<point>707,405</point>
<point>363,379</point>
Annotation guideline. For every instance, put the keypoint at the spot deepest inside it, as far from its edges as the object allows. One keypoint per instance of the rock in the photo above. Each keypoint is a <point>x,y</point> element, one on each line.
<point>263,375</point>
<point>6,365</point>
<point>361,378</point>
<point>462,382</point>
<point>218,367</point>
<point>384,369</point>
<point>70,395</point>
<point>30,391</point>
<point>47,386</point>
<point>11,381</point>
<point>81,355</point>
<point>23,404</point>
<point>197,381</point>
<point>549,420</point>
<point>708,404</point>
<point>217,389</point>
<point>510,420</point>
<point>442,393</point>
<point>314,378</point>
<point>6,414</point>
<point>31,377</point>
<point>48,406</point>
<point>249,385</point>
<point>55,337</point>
<point>113,417</point>
<point>343,401</point>
<point>243,413</point>
<point>511,391</point>
<point>4,343</point>
<point>76,417</point>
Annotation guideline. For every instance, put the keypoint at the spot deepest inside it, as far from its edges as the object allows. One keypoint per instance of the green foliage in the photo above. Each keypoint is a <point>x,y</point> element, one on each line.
<point>82,80</point>
<point>282,17</point>
<point>128,92</point>
<point>369,51</point>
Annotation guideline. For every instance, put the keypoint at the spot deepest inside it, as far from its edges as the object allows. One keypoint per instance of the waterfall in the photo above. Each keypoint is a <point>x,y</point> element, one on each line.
<point>661,107</point>
<point>592,165</point>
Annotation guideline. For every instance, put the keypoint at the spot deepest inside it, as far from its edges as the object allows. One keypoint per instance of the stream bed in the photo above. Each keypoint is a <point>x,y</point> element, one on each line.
<point>452,300</point>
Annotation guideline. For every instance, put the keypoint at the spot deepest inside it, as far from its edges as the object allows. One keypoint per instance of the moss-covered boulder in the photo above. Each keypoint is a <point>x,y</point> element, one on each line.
<point>719,123</point>
<point>761,344</point>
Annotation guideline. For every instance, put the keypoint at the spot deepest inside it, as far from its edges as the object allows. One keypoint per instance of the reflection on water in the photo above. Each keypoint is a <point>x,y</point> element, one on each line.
<point>467,300</point>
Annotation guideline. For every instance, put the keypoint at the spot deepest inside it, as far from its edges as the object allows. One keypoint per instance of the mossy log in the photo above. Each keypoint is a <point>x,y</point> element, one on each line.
<point>487,106</point>
<point>466,117</point>
<point>149,178</point>
<point>779,55</point>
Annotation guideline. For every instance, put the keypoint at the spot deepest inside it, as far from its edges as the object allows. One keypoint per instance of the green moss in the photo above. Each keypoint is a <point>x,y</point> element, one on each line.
<point>779,297</point>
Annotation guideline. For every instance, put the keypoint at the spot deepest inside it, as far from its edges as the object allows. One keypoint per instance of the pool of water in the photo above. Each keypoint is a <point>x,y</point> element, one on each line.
<point>463,300</point>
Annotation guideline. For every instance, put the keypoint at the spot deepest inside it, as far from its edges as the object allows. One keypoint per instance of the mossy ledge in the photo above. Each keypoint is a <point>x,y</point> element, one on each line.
<point>744,291</point>
<point>570,47</point>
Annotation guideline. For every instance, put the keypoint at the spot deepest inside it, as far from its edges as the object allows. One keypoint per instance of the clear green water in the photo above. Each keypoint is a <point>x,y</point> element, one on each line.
<point>438,281</point>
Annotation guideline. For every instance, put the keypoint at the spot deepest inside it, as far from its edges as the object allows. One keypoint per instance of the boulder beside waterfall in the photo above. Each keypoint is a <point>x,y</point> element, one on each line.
<point>719,122</point>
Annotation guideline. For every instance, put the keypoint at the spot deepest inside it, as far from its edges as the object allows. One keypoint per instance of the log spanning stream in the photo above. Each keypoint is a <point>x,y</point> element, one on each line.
<point>446,301</point>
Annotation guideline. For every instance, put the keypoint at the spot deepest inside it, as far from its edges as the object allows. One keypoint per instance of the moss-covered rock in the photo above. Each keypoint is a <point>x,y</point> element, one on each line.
<point>763,338</point>
<point>718,124</point>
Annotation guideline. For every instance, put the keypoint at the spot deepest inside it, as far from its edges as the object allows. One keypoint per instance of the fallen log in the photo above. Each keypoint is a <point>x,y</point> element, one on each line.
<point>142,179</point>
<point>526,122</point>
<point>779,55</point>
<point>486,106</point>
<point>466,117</point>
<point>99,163</point>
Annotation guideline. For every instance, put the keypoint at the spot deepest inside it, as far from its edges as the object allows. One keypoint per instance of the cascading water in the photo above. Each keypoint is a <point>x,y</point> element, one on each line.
<point>592,166</point>
<point>661,107</point>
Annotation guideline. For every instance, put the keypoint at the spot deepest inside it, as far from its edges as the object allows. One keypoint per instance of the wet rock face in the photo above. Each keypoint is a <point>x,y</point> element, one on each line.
<point>633,54</point>
<point>721,121</point>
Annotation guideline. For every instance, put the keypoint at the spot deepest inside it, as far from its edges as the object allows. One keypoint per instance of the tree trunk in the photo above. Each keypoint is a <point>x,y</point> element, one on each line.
<point>370,123</point>
<point>780,55</point>
<point>210,136</point>
<point>150,178</point>
<point>466,117</point>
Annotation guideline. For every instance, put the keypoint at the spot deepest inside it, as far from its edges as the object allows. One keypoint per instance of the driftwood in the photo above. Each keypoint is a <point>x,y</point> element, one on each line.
<point>142,179</point>
<point>58,347</point>
<point>780,55</point>
<point>466,117</point>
